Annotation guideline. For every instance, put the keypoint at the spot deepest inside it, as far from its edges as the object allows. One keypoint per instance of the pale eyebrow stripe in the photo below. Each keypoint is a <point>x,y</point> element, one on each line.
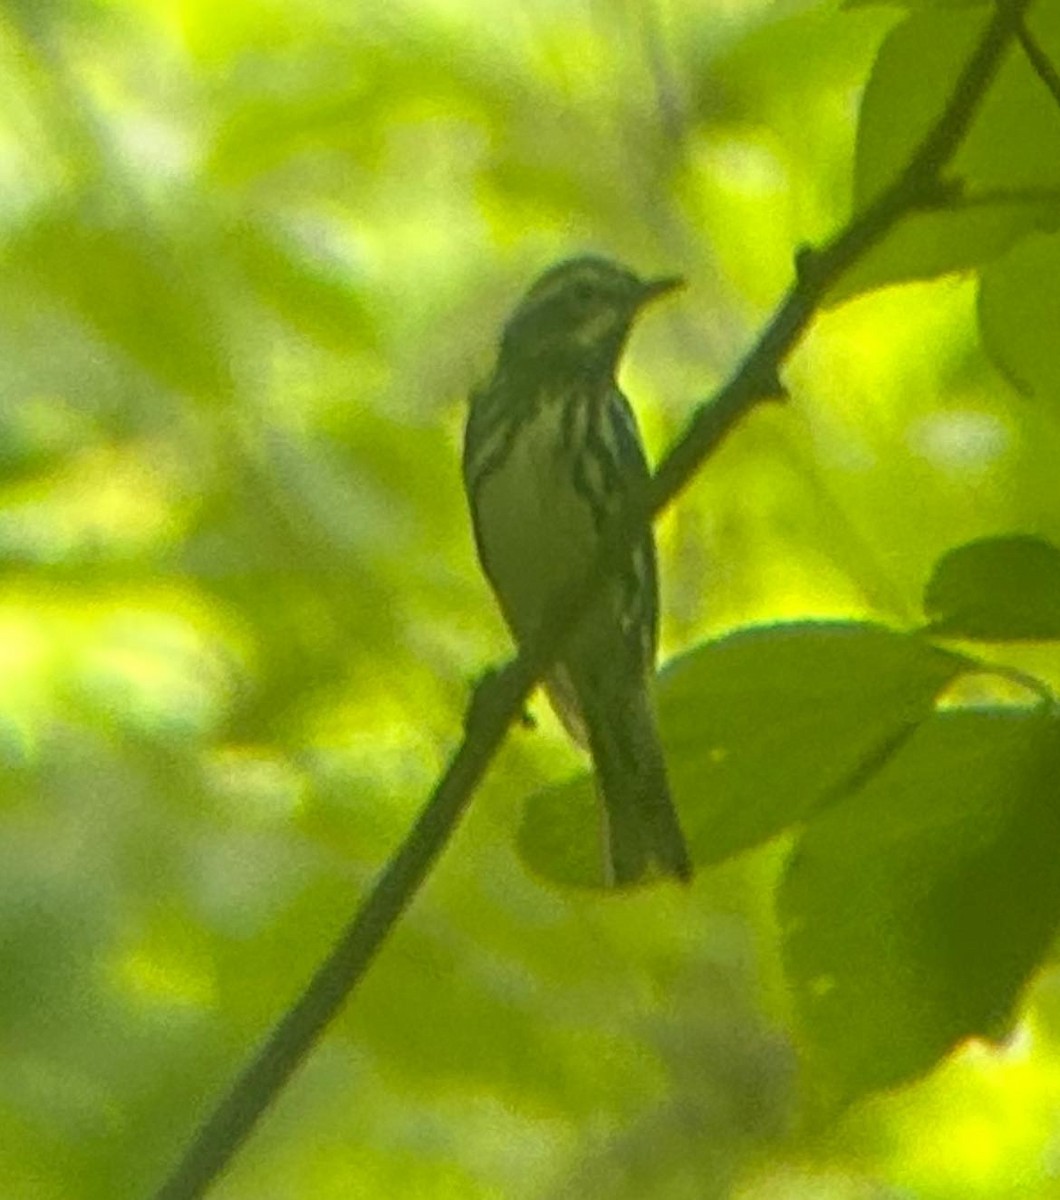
<point>587,272</point>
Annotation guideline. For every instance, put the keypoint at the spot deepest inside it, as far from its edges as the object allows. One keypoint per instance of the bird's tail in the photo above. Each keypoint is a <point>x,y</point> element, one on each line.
<point>641,825</point>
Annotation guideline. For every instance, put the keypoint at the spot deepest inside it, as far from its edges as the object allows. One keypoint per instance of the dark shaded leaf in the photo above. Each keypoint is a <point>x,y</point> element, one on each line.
<point>559,835</point>
<point>763,726</point>
<point>997,589</point>
<point>760,729</point>
<point>915,912</point>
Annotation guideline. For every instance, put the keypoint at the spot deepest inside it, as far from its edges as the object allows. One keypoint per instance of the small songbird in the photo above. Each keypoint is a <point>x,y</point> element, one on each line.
<point>552,453</point>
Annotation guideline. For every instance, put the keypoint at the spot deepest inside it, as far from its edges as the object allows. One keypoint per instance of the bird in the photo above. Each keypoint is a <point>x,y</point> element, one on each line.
<point>552,456</point>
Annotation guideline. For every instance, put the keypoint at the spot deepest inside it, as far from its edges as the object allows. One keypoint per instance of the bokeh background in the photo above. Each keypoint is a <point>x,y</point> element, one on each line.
<point>252,257</point>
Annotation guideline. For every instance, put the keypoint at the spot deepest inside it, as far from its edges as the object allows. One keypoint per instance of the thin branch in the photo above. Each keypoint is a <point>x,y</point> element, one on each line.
<point>228,1126</point>
<point>669,103</point>
<point>1039,60</point>
<point>820,270</point>
<point>1022,679</point>
<point>500,700</point>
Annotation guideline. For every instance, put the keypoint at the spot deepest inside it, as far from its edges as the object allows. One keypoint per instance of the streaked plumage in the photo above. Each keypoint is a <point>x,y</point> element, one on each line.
<point>552,453</point>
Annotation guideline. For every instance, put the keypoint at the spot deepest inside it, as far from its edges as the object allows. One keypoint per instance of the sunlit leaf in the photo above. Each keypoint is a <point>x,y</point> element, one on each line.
<point>318,297</point>
<point>1019,313</point>
<point>1009,180</point>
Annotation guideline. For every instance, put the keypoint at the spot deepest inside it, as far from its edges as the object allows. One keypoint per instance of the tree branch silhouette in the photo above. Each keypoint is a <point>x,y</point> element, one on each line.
<point>1039,60</point>
<point>500,699</point>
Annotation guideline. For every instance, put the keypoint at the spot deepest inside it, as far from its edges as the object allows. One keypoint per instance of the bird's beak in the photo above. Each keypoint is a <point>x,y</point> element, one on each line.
<point>660,287</point>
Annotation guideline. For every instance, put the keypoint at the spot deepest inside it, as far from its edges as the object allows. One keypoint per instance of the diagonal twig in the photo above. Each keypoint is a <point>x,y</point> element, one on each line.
<point>1039,60</point>
<point>755,381</point>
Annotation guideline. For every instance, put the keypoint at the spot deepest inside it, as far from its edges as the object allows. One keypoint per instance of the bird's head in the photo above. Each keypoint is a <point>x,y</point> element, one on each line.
<point>577,315</point>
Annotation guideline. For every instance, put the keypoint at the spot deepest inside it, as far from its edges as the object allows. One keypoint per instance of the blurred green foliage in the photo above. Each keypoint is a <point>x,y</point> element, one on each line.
<point>253,256</point>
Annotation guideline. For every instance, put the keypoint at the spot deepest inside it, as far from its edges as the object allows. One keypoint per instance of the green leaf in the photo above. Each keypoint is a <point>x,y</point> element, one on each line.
<point>927,245</point>
<point>129,286</point>
<point>559,835</point>
<point>1008,167</point>
<point>313,294</point>
<point>1019,314</point>
<point>997,589</point>
<point>765,725</point>
<point>760,729</point>
<point>914,5</point>
<point>915,912</point>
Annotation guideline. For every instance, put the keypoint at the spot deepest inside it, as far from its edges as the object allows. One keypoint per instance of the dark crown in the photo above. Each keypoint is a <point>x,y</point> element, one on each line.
<point>578,313</point>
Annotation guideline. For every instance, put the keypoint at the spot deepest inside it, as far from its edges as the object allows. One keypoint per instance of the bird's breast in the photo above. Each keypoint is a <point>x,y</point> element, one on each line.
<point>536,531</point>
